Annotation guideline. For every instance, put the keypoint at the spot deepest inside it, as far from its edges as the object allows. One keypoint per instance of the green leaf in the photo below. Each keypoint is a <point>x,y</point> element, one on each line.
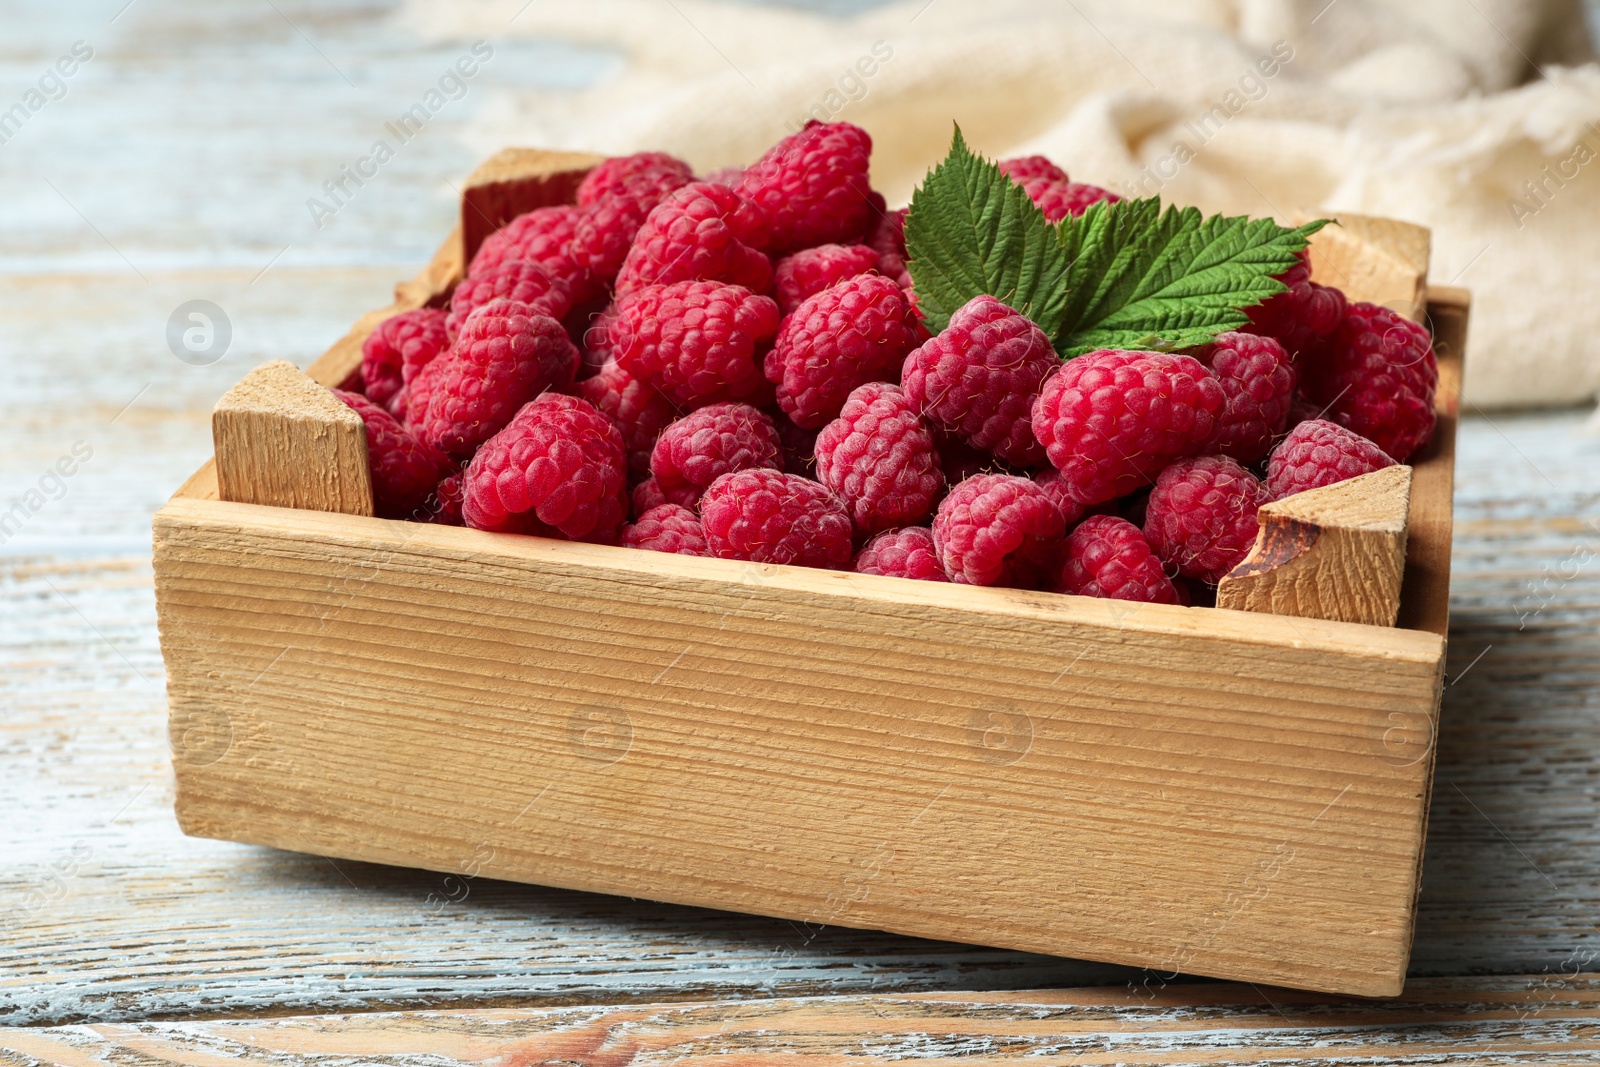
<point>1140,277</point>
<point>972,230</point>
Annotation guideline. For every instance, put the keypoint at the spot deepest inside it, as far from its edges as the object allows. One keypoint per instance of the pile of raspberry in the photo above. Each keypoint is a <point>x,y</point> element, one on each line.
<point>734,366</point>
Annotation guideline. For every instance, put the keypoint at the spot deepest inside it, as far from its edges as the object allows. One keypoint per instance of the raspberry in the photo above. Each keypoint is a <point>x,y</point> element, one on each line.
<point>641,173</point>
<point>701,232</point>
<point>543,236</point>
<point>444,508</point>
<point>1027,168</point>
<point>978,379</point>
<point>1377,374</point>
<point>649,494</point>
<point>594,340</point>
<point>905,553</point>
<point>1058,199</point>
<point>696,342</point>
<point>1055,486</point>
<point>997,529</point>
<point>393,353</point>
<point>813,185</point>
<point>404,470</point>
<point>769,517</point>
<point>1302,316</point>
<point>1318,453</point>
<point>506,355</point>
<point>878,455</point>
<point>887,237</point>
<point>858,331</point>
<point>1108,557</point>
<point>668,528</point>
<point>523,281</point>
<point>559,461</point>
<point>716,440</point>
<point>729,176</point>
<point>1201,516</point>
<point>640,413</point>
<point>812,270</point>
<point>1258,382</point>
<point>1111,420</point>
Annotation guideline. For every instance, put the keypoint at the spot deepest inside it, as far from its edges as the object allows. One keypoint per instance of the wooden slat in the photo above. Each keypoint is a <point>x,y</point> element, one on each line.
<point>516,180</point>
<point>1382,261</point>
<point>1486,1022</point>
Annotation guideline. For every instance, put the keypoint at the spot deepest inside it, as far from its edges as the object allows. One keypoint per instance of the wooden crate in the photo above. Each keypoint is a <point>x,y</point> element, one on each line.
<point>1214,791</point>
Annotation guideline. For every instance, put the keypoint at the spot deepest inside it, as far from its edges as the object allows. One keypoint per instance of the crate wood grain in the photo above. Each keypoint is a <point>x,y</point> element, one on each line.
<point>1203,790</point>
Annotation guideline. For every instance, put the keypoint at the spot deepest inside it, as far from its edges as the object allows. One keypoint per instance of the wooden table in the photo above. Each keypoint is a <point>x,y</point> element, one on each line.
<point>176,168</point>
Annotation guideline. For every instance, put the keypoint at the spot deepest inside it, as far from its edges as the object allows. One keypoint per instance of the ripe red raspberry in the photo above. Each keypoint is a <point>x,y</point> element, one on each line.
<point>594,340</point>
<point>907,553</point>
<point>1301,317</point>
<point>887,237</point>
<point>642,172</point>
<point>649,494</point>
<point>1059,199</point>
<point>543,236</point>
<point>1027,168</point>
<point>1201,516</point>
<point>522,281</point>
<point>507,354</point>
<point>1318,453</point>
<point>639,412</point>
<point>1111,420</point>
<point>1108,557</point>
<point>444,506</point>
<point>998,529</point>
<point>1377,374</point>
<point>668,528</point>
<point>1055,486</point>
<point>404,470</point>
<point>701,232</point>
<point>559,461</point>
<point>716,440</point>
<point>878,455</point>
<point>1258,382</point>
<point>729,176</point>
<point>811,270</point>
<point>769,517</point>
<point>813,185</point>
<point>978,379</point>
<point>393,353</point>
<point>696,342</point>
<point>855,332</point>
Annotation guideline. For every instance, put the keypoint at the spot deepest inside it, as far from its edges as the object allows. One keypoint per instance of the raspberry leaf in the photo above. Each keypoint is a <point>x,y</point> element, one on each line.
<point>971,231</point>
<point>1141,277</point>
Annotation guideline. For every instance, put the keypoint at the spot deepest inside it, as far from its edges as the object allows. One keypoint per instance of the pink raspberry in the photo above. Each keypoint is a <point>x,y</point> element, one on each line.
<point>729,176</point>
<point>855,332</point>
<point>1201,516</point>
<point>404,470</point>
<point>393,353</point>
<point>1111,420</point>
<point>444,506</point>
<point>701,232</point>
<point>769,517</point>
<point>878,455</point>
<point>522,281</point>
<point>715,440</point>
<point>640,413</point>
<point>1055,486</point>
<point>507,354</point>
<point>668,528</point>
<point>1027,168</point>
<point>811,270</point>
<point>905,553</point>
<point>1059,199</point>
<point>559,461</point>
<point>1301,317</point>
<point>594,340</point>
<point>641,173</point>
<point>1258,382</point>
<point>978,379</point>
<point>1318,453</point>
<point>696,342</point>
<point>543,236</point>
<point>1377,374</point>
<point>998,529</point>
<point>887,237</point>
<point>649,494</point>
<point>1108,557</point>
<point>813,185</point>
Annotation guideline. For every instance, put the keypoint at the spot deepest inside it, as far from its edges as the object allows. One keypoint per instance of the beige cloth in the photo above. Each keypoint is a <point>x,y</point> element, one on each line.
<point>1478,118</point>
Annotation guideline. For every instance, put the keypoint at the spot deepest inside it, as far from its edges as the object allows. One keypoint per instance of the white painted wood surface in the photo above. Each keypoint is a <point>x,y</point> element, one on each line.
<point>173,150</point>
